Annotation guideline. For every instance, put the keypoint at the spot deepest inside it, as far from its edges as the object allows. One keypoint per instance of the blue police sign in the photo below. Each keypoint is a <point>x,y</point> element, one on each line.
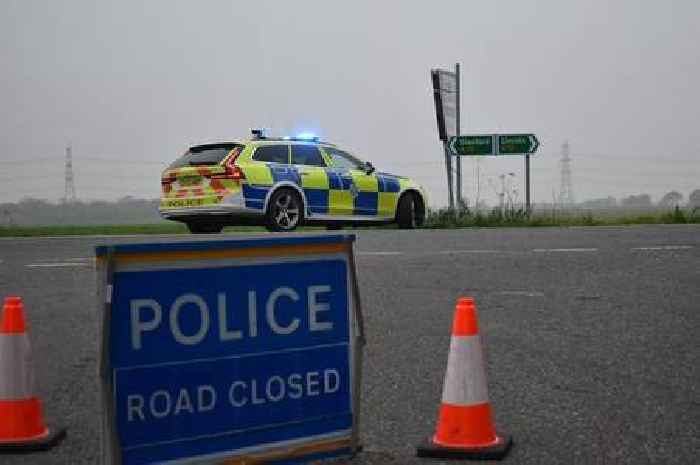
<point>225,349</point>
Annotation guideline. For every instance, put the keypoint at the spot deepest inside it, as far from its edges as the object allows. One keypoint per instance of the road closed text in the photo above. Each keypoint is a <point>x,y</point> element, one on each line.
<point>239,393</point>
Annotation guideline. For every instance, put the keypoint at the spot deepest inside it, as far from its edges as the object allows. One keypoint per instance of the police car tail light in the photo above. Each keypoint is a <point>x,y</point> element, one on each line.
<point>236,173</point>
<point>167,180</point>
<point>232,172</point>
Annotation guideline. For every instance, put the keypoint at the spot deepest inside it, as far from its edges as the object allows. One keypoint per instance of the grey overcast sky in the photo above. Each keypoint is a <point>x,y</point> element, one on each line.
<point>132,83</point>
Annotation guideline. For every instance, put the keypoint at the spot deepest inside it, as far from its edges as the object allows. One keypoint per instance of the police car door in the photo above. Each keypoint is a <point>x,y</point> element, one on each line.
<point>342,190</point>
<point>359,190</point>
<point>367,192</point>
<point>311,167</point>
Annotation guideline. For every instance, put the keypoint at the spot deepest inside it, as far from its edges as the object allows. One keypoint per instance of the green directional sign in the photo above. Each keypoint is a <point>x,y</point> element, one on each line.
<point>515,144</point>
<point>472,145</point>
<point>493,144</point>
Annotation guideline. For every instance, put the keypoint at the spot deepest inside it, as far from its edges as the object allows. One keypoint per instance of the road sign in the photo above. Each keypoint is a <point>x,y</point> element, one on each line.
<point>472,145</point>
<point>228,349</point>
<point>493,144</point>
<point>516,144</point>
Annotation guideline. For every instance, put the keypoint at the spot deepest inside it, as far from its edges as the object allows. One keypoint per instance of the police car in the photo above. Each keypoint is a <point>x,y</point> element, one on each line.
<point>283,183</point>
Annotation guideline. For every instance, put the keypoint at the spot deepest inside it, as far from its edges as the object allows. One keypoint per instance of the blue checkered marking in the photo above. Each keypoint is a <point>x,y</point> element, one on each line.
<point>285,173</point>
<point>255,196</point>
<point>317,200</point>
<point>366,203</point>
<point>388,183</point>
<point>339,179</point>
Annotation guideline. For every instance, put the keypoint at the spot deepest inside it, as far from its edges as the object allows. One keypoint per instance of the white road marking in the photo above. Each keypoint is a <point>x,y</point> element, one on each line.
<point>664,247</point>
<point>379,253</point>
<point>521,293</point>
<point>565,250</point>
<point>450,252</point>
<point>57,265</point>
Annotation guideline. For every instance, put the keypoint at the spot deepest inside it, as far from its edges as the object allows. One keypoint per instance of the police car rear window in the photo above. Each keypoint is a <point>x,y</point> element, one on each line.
<point>272,153</point>
<point>205,155</point>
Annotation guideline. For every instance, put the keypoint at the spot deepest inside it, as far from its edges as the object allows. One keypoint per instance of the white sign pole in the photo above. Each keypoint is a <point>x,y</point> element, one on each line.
<point>459,130</point>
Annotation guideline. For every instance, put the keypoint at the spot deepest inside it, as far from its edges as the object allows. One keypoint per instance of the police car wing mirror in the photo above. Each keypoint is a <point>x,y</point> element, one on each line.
<point>368,167</point>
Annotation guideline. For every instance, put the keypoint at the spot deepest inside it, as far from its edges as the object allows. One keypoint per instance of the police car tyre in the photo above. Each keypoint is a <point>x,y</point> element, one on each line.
<point>285,210</point>
<point>204,228</point>
<point>408,214</point>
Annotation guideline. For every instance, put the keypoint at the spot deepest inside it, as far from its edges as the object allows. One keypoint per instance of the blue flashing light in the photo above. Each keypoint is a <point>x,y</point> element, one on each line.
<point>307,136</point>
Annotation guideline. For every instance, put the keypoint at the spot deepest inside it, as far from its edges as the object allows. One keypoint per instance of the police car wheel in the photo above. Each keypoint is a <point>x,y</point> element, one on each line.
<point>285,211</point>
<point>406,215</point>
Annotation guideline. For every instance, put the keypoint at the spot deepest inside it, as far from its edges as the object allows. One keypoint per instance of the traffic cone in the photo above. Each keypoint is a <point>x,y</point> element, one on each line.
<point>465,428</point>
<point>22,426</point>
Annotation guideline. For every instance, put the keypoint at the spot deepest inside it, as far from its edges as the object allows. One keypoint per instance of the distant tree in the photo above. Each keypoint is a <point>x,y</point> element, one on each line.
<point>671,199</point>
<point>694,199</point>
<point>32,212</point>
<point>641,200</point>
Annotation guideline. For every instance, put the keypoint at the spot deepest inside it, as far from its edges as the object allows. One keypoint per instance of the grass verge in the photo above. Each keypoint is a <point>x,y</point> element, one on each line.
<point>511,217</point>
<point>435,219</point>
<point>89,230</point>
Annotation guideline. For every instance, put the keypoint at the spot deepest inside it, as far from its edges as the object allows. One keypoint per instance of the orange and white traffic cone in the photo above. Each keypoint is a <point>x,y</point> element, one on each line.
<point>22,426</point>
<point>465,428</point>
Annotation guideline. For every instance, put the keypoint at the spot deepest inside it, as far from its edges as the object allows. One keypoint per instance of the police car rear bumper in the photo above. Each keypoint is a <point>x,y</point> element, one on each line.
<point>231,206</point>
<point>208,211</point>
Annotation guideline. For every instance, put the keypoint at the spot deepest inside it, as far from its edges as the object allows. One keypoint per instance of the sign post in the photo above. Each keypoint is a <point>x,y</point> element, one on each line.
<point>527,182</point>
<point>458,130</point>
<point>247,349</point>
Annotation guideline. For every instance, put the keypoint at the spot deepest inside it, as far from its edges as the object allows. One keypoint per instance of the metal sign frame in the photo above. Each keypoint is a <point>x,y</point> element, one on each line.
<point>114,261</point>
<point>446,85</point>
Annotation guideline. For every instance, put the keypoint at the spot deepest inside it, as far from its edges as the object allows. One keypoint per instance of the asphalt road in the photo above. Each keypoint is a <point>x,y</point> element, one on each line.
<point>591,338</point>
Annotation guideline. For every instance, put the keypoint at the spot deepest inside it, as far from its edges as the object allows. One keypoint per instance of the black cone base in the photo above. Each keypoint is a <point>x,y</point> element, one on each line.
<point>54,437</point>
<point>495,452</point>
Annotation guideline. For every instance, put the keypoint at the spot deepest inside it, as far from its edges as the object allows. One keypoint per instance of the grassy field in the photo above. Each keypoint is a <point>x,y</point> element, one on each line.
<point>80,230</point>
<point>522,218</point>
<point>436,219</point>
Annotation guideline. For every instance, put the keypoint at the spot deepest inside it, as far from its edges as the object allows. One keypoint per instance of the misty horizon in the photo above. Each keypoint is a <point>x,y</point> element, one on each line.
<point>130,86</point>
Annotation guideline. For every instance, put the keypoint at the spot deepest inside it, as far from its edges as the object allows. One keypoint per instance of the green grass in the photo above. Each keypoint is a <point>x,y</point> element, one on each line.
<point>107,229</point>
<point>80,230</point>
<point>511,217</point>
<point>115,230</point>
<point>436,219</point>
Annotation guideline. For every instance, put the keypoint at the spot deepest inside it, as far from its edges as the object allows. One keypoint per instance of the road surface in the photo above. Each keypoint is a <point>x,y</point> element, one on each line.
<point>591,338</point>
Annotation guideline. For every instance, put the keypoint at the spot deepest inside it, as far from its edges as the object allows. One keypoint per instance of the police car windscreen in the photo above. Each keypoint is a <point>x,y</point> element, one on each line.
<point>204,155</point>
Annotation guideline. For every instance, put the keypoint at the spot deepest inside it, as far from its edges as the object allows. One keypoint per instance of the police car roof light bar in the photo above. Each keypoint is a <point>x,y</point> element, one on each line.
<point>308,136</point>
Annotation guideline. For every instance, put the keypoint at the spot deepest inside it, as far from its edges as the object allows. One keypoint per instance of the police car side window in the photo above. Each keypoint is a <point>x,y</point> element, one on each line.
<point>307,155</point>
<point>343,159</point>
<point>272,153</point>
